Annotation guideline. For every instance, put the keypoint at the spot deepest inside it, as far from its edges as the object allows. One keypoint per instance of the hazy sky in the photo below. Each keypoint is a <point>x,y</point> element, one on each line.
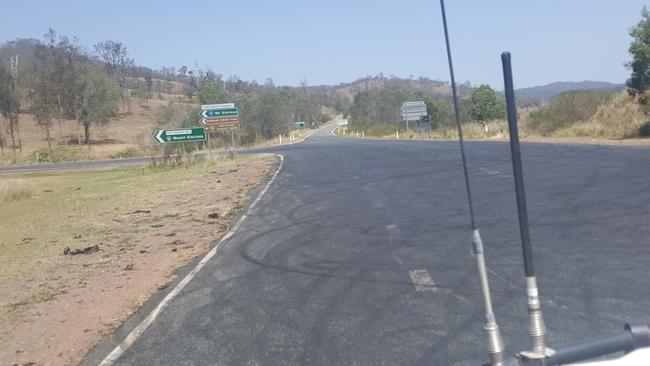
<point>340,40</point>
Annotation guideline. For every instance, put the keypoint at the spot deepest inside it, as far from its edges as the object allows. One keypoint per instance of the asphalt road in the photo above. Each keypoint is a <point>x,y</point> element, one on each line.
<point>91,164</point>
<point>359,254</point>
<point>98,164</point>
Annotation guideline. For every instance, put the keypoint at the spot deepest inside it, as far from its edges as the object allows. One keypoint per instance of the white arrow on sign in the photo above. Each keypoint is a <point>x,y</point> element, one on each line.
<point>158,136</point>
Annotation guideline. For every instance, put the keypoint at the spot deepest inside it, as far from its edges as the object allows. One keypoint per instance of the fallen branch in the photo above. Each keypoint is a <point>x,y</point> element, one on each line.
<point>87,250</point>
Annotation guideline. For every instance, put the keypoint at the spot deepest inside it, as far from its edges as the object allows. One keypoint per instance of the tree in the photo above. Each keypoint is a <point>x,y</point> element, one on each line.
<point>116,59</point>
<point>198,78</point>
<point>45,91</point>
<point>182,72</point>
<point>441,113</point>
<point>97,100</point>
<point>144,88</point>
<point>485,105</point>
<point>639,81</point>
<point>56,73</point>
<point>7,100</point>
<point>44,106</point>
<point>212,93</point>
<point>10,104</point>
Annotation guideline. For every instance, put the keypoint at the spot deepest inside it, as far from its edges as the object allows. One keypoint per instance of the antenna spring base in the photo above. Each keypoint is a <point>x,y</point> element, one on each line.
<point>536,327</point>
<point>495,345</point>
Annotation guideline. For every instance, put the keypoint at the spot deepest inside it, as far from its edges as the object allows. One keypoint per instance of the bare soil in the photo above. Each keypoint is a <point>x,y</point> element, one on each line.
<point>66,307</point>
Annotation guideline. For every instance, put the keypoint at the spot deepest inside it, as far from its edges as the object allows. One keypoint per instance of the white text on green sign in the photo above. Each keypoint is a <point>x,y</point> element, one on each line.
<point>180,135</point>
<point>209,113</point>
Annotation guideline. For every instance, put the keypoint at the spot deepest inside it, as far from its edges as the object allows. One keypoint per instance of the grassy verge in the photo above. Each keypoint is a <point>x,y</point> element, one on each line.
<point>474,131</point>
<point>42,213</point>
<point>81,251</point>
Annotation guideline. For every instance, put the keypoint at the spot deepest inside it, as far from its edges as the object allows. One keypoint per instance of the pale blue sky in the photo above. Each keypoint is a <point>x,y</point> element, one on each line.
<point>336,41</point>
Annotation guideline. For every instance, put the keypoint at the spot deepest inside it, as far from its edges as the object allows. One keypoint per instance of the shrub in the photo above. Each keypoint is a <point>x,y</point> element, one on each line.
<point>383,129</point>
<point>621,117</point>
<point>566,109</point>
<point>130,152</point>
<point>14,190</point>
<point>644,130</point>
<point>61,154</point>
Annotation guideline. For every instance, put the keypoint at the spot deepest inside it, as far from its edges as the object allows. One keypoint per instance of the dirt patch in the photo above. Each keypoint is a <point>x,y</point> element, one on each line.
<point>66,305</point>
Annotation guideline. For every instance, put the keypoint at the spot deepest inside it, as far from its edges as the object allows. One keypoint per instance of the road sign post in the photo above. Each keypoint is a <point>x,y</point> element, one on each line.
<point>209,145</point>
<point>412,111</point>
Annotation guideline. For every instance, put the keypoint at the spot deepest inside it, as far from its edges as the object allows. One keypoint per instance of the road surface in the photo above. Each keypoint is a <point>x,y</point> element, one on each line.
<point>359,254</point>
<point>98,164</point>
<point>91,164</point>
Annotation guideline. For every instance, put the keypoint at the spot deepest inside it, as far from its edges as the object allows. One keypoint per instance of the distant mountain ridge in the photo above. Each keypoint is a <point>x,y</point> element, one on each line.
<point>544,93</point>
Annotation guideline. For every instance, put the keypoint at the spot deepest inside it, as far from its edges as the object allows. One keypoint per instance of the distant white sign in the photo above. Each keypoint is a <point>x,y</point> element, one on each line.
<point>412,111</point>
<point>342,122</point>
<point>218,106</point>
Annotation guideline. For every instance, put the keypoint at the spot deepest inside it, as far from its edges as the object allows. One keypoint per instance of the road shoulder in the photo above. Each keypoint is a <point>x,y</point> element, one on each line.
<point>134,266</point>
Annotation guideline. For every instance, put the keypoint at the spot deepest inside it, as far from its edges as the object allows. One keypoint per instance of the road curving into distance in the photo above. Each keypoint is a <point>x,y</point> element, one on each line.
<point>359,253</point>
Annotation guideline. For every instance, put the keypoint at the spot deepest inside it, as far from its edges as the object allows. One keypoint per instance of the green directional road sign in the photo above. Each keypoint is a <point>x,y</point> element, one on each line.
<point>180,135</point>
<point>211,113</point>
<point>299,124</point>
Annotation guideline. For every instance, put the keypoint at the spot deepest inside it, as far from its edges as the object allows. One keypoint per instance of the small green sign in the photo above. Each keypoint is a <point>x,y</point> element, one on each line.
<point>299,124</point>
<point>180,135</point>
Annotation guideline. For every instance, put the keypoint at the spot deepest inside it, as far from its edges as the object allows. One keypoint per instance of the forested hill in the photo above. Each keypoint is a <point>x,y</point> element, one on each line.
<point>341,94</point>
<point>543,94</point>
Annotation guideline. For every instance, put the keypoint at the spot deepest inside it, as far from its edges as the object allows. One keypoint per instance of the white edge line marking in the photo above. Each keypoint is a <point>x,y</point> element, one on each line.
<point>304,138</point>
<point>137,331</point>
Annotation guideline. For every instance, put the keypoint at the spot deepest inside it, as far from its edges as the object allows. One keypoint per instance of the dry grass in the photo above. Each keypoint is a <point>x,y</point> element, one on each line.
<point>41,211</point>
<point>474,131</point>
<point>621,118</point>
<point>13,190</point>
<point>146,222</point>
<point>132,129</point>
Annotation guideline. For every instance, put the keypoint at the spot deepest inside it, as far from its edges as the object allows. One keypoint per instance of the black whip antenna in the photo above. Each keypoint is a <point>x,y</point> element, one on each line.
<point>633,337</point>
<point>536,328</point>
<point>495,342</point>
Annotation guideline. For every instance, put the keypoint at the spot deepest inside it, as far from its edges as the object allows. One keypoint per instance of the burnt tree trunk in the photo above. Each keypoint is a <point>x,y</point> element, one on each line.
<point>49,136</point>
<point>20,142</point>
<point>86,125</point>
